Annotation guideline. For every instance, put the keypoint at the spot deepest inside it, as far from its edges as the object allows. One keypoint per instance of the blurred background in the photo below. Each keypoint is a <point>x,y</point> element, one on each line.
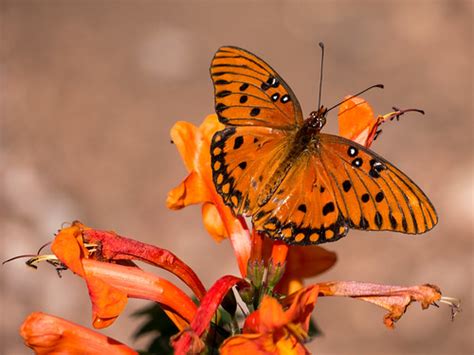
<point>90,90</point>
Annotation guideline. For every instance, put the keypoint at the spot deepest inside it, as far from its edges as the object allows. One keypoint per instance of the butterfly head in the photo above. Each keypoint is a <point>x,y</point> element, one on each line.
<point>317,119</point>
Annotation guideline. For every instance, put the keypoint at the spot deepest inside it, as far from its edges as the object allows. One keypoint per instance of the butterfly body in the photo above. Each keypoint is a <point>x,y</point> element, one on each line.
<point>300,185</point>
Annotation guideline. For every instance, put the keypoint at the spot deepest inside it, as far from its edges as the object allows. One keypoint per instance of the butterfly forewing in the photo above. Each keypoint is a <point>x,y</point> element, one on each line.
<point>248,92</point>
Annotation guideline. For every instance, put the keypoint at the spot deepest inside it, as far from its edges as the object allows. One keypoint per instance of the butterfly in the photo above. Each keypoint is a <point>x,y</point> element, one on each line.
<point>299,185</point>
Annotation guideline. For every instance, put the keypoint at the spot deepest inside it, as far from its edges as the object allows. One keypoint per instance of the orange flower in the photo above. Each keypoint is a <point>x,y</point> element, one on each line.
<point>304,262</point>
<point>110,284</point>
<point>273,330</point>
<point>198,187</point>
<point>357,121</point>
<point>47,334</point>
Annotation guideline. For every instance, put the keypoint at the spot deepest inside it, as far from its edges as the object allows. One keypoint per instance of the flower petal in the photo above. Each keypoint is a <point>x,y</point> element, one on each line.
<point>191,191</point>
<point>186,137</point>
<point>194,146</point>
<point>304,262</point>
<point>47,334</point>
<point>69,248</point>
<point>357,121</point>
<point>113,247</point>
<point>260,344</point>
<point>213,222</point>
<point>190,338</point>
<point>301,305</point>
<point>117,281</point>
<point>270,317</point>
<point>107,301</point>
<point>395,299</point>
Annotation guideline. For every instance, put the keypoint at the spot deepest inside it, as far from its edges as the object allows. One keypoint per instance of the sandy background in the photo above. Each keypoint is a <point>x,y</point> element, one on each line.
<point>90,90</point>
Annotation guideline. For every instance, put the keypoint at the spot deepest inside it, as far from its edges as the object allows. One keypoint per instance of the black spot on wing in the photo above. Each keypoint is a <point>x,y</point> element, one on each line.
<point>346,185</point>
<point>379,197</point>
<point>255,112</point>
<point>378,219</point>
<point>243,165</point>
<point>328,208</point>
<point>238,142</point>
<point>244,87</point>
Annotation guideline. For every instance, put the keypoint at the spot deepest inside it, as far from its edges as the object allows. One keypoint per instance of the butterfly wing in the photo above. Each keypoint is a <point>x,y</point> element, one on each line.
<point>242,161</point>
<point>338,184</point>
<point>303,210</point>
<point>372,193</point>
<point>248,92</point>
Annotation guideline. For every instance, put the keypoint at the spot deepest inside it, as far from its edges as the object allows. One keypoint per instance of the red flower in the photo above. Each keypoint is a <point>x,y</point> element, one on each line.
<point>272,329</point>
<point>111,284</point>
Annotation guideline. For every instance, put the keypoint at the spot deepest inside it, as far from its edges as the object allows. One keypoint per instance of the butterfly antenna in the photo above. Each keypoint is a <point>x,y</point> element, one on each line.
<point>380,86</point>
<point>321,44</point>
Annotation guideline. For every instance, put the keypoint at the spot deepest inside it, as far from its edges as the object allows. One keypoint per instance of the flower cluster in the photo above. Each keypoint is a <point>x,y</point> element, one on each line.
<point>266,309</point>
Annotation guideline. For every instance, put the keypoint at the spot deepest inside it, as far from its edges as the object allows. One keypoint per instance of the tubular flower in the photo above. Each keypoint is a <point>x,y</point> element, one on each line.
<point>358,123</point>
<point>47,334</point>
<point>273,330</point>
<point>111,284</point>
<point>193,144</point>
<point>274,316</point>
<point>189,340</point>
<point>303,263</point>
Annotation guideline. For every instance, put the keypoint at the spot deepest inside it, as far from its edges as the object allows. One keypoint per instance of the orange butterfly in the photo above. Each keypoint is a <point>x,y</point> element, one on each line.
<point>299,185</point>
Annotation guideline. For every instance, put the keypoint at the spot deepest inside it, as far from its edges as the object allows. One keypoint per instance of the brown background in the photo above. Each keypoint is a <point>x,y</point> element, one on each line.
<point>90,91</point>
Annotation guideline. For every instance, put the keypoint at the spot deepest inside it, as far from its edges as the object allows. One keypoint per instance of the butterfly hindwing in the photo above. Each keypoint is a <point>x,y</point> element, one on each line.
<point>248,92</point>
<point>303,210</point>
<point>242,160</point>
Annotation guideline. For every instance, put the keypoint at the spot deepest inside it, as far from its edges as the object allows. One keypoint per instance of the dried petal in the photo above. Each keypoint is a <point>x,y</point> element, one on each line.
<point>395,299</point>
